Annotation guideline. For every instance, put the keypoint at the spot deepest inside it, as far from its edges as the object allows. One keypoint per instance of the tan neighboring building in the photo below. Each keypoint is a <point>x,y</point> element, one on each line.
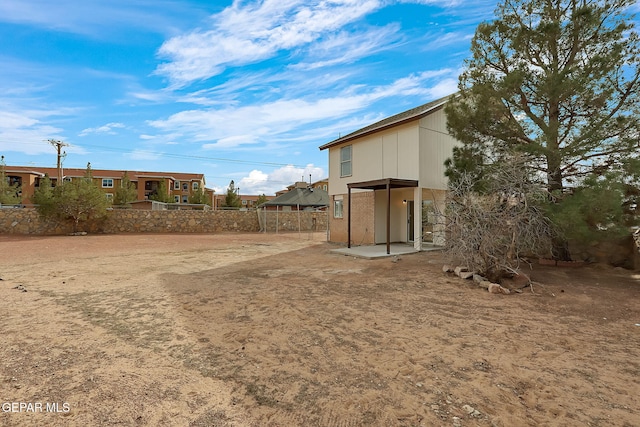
<point>248,201</point>
<point>179,185</point>
<point>385,179</point>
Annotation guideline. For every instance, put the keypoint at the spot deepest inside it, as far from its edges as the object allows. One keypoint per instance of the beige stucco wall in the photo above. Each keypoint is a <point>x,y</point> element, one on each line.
<point>387,154</point>
<point>416,150</point>
<point>436,146</point>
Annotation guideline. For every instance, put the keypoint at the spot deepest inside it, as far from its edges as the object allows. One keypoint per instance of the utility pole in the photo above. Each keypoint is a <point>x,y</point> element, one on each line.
<point>58,145</point>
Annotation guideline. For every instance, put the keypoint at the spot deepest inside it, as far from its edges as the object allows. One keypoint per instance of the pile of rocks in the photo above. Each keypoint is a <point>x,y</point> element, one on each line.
<point>464,273</point>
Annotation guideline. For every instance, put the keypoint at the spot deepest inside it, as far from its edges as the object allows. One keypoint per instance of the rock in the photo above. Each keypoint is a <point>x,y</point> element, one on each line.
<point>457,422</point>
<point>478,278</point>
<point>447,268</point>
<point>466,275</point>
<point>460,269</point>
<point>494,288</point>
<point>485,284</point>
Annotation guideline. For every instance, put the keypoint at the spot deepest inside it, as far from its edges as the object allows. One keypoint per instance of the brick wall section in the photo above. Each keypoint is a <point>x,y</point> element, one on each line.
<point>362,220</point>
<point>27,221</point>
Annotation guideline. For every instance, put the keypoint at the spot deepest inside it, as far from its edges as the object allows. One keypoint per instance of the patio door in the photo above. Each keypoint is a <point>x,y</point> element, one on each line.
<point>410,221</point>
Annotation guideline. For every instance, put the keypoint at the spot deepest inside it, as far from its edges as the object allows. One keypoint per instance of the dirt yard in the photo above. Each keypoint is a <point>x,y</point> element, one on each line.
<point>274,330</point>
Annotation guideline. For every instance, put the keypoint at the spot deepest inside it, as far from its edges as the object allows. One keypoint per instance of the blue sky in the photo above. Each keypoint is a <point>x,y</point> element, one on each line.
<point>244,90</point>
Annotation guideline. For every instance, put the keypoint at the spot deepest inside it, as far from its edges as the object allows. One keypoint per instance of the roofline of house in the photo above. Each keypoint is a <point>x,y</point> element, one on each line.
<point>392,121</point>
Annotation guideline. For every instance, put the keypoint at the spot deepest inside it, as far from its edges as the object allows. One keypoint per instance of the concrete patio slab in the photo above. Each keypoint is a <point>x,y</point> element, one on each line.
<point>380,251</point>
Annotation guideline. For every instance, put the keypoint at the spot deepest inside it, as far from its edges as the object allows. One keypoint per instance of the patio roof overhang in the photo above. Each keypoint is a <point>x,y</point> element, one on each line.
<point>378,184</point>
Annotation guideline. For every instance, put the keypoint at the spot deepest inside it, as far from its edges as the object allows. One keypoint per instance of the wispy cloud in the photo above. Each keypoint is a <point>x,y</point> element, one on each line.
<point>26,131</point>
<point>96,18</point>
<point>240,125</point>
<point>246,33</point>
<point>108,129</point>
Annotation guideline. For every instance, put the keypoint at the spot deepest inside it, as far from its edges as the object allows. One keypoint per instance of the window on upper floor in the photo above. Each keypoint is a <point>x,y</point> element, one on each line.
<point>185,186</point>
<point>345,161</point>
<point>107,183</point>
<point>194,185</point>
<point>176,185</point>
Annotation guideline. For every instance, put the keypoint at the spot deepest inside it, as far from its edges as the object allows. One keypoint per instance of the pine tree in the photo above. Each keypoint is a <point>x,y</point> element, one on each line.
<point>231,199</point>
<point>558,81</point>
<point>126,193</point>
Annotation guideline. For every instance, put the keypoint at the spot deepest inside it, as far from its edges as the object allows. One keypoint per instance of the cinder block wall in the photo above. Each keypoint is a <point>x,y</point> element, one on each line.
<point>27,221</point>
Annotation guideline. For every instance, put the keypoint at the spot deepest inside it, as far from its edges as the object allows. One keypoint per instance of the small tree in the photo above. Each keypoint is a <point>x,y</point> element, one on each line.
<point>162,194</point>
<point>231,200</point>
<point>261,199</point>
<point>126,193</point>
<point>9,193</point>
<point>199,197</point>
<point>78,201</point>
<point>491,231</point>
<point>44,198</point>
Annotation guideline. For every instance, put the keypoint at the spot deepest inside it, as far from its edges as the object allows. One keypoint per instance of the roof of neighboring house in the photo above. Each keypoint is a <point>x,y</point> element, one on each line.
<point>301,197</point>
<point>405,116</point>
<point>105,173</point>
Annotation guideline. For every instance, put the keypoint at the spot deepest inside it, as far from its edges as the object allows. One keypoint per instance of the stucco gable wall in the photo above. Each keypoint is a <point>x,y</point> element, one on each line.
<point>391,153</point>
<point>435,147</point>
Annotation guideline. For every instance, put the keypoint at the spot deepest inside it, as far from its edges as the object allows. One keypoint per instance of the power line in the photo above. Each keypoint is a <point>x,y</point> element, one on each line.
<point>190,157</point>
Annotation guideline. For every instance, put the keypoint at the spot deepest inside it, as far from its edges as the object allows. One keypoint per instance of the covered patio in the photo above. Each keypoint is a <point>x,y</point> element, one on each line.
<point>386,184</point>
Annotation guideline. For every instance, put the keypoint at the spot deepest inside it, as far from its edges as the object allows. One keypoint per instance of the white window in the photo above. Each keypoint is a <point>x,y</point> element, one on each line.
<point>244,202</point>
<point>337,208</point>
<point>194,185</point>
<point>345,161</point>
<point>176,185</point>
<point>107,183</point>
<point>176,199</point>
<point>324,187</point>
<point>109,196</point>
<point>185,186</point>
<point>185,199</point>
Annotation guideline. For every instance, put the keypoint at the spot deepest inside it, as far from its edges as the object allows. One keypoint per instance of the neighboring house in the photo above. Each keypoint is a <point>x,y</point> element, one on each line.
<point>179,185</point>
<point>300,197</point>
<point>323,184</point>
<point>385,179</point>
<point>246,201</point>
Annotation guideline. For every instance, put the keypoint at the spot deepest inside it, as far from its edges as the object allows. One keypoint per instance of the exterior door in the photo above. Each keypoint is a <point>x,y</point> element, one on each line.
<point>410,220</point>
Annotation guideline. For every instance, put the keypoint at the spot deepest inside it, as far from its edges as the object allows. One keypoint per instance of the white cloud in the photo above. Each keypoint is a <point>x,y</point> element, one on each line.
<point>108,129</point>
<point>347,47</point>
<point>259,182</point>
<point>24,132</point>
<point>236,126</point>
<point>245,33</point>
<point>143,155</point>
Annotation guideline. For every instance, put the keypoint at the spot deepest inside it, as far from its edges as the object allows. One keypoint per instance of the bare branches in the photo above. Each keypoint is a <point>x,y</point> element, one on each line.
<point>491,232</point>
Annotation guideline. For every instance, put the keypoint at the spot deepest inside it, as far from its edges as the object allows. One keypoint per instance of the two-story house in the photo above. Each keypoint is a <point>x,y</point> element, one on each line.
<point>386,178</point>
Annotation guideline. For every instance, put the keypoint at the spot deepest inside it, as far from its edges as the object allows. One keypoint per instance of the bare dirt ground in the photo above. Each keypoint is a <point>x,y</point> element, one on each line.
<point>274,330</point>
